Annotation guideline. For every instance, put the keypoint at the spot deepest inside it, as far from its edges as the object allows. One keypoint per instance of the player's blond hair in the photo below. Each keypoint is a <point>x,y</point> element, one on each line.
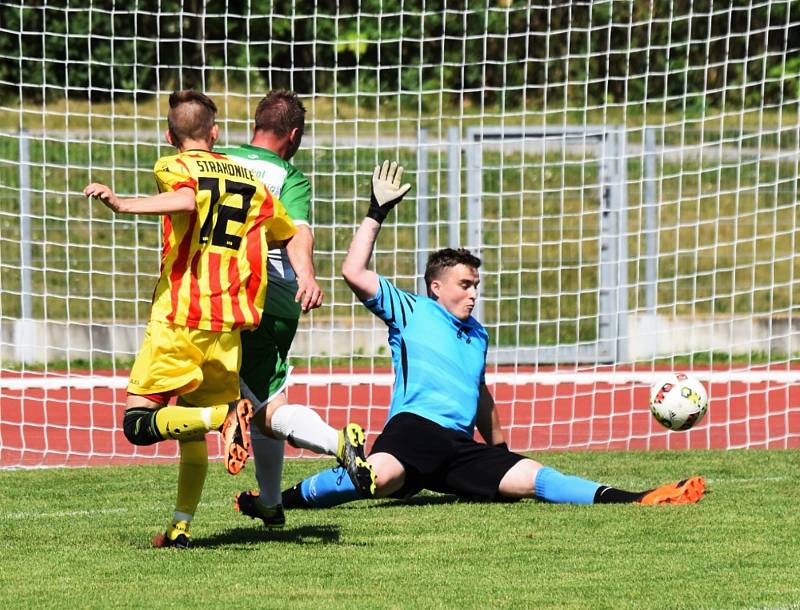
<point>191,116</point>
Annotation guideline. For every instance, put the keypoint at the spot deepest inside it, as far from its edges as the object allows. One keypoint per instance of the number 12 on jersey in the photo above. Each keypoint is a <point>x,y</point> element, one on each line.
<point>217,228</point>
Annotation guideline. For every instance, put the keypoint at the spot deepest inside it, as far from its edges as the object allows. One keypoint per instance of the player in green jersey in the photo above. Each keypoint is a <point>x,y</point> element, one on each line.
<point>292,290</point>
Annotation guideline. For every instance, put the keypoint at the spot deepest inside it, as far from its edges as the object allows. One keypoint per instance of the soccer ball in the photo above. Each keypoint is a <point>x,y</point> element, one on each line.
<point>678,401</point>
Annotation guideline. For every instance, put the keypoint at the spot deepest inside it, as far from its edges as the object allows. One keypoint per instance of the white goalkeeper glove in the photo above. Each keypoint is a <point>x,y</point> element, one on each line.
<point>386,190</point>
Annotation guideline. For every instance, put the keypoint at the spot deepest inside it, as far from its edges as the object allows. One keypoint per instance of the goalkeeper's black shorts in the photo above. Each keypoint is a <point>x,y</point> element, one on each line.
<point>443,460</point>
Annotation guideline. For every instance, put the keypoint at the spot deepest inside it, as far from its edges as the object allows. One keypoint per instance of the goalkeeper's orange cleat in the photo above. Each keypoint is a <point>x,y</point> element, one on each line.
<point>688,491</point>
<point>235,433</point>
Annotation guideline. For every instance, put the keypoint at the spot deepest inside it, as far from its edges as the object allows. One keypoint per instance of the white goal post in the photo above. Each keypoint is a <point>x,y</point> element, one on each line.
<point>627,171</point>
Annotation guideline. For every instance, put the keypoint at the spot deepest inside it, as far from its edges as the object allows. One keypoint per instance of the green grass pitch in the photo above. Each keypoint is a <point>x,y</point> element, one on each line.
<point>79,538</point>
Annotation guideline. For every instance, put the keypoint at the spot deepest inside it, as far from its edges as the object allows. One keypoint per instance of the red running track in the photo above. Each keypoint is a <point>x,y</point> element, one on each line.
<point>82,426</point>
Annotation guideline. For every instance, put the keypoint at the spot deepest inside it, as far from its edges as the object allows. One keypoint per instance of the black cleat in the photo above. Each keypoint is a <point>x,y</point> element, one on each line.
<point>176,536</point>
<point>248,503</point>
<point>351,457</point>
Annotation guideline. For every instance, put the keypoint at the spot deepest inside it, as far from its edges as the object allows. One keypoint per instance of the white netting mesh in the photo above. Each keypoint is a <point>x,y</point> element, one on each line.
<point>628,172</point>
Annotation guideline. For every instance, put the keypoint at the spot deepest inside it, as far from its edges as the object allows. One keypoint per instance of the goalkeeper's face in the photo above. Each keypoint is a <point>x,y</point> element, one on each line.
<point>456,289</point>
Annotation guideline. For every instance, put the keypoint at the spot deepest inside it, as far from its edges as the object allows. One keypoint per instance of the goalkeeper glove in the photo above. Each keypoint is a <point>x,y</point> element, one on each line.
<point>386,190</point>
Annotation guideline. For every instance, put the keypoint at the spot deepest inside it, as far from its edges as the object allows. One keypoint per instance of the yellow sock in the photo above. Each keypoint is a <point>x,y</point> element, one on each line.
<point>191,476</point>
<point>217,415</point>
<point>188,422</point>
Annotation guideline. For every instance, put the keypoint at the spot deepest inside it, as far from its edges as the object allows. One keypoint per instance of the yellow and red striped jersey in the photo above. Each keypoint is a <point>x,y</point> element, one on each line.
<point>214,259</point>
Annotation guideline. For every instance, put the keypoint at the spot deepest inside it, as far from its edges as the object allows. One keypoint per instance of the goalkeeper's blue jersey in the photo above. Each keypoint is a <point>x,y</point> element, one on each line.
<point>439,360</point>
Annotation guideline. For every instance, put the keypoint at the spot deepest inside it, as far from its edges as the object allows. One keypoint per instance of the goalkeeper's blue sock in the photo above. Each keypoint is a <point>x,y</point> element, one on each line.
<point>322,490</point>
<point>553,486</point>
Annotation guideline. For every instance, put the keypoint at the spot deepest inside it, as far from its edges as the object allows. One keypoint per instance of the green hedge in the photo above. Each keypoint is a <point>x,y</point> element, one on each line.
<point>680,55</point>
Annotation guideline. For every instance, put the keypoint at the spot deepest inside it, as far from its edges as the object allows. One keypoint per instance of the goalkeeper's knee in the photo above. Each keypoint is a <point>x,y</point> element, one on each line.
<point>139,426</point>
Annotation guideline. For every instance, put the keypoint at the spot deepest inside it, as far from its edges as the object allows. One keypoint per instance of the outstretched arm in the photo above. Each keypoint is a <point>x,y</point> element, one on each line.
<point>362,281</point>
<point>488,422</point>
<point>170,202</point>
<point>386,193</point>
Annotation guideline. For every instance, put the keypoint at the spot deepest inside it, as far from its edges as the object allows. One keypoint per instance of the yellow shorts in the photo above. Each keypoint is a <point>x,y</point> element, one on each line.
<point>200,366</point>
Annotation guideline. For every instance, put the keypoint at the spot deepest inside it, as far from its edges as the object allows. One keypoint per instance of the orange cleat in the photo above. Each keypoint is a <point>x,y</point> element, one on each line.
<point>688,491</point>
<point>235,433</point>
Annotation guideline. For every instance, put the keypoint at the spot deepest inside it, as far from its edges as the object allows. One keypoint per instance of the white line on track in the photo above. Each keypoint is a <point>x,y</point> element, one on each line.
<point>90,513</point>
<point>78,382</point>
<point>64,513</point>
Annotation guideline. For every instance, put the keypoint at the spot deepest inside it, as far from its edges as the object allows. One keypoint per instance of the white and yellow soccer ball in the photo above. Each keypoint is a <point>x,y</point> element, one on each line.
<point>678,401</point>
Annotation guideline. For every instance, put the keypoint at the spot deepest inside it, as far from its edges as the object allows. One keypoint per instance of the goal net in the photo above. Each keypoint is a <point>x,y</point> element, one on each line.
<point>628,172</point>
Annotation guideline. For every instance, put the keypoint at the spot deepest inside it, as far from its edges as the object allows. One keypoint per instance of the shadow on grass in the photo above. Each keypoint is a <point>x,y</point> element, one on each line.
<point>425,500</point>
<point>441,499</point>
<point>307,534</point>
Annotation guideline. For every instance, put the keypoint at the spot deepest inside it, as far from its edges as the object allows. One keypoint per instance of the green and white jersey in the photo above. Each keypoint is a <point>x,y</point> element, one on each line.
<point>288,184</point>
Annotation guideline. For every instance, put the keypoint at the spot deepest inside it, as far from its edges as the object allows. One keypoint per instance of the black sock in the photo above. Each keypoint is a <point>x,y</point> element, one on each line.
<point>612,495</point>
<point>292,498</point>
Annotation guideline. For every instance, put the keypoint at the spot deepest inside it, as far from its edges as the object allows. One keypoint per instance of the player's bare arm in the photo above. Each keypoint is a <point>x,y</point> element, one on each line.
<point>300,249</point>
<point>488,421</point>
<point>174,202</point>
<point>387,192</point>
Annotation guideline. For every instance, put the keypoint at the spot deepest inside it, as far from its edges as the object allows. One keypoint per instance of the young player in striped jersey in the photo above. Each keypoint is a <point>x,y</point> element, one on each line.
<point>440,394</point>
<point>217,219</point>
<point>292,290</point>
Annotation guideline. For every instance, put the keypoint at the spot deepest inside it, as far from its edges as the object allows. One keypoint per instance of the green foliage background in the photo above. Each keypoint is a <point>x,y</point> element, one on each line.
<point>720,82</point>
<point>676,55</point>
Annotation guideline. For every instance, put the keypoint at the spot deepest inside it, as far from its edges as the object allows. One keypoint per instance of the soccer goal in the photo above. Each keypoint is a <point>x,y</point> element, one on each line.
<point>595,198</point>
<point>628,173</point>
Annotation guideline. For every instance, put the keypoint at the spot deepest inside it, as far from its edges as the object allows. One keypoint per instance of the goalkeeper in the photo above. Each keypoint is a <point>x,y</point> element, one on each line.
<point>440,394</point>
<point>292,289</point>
